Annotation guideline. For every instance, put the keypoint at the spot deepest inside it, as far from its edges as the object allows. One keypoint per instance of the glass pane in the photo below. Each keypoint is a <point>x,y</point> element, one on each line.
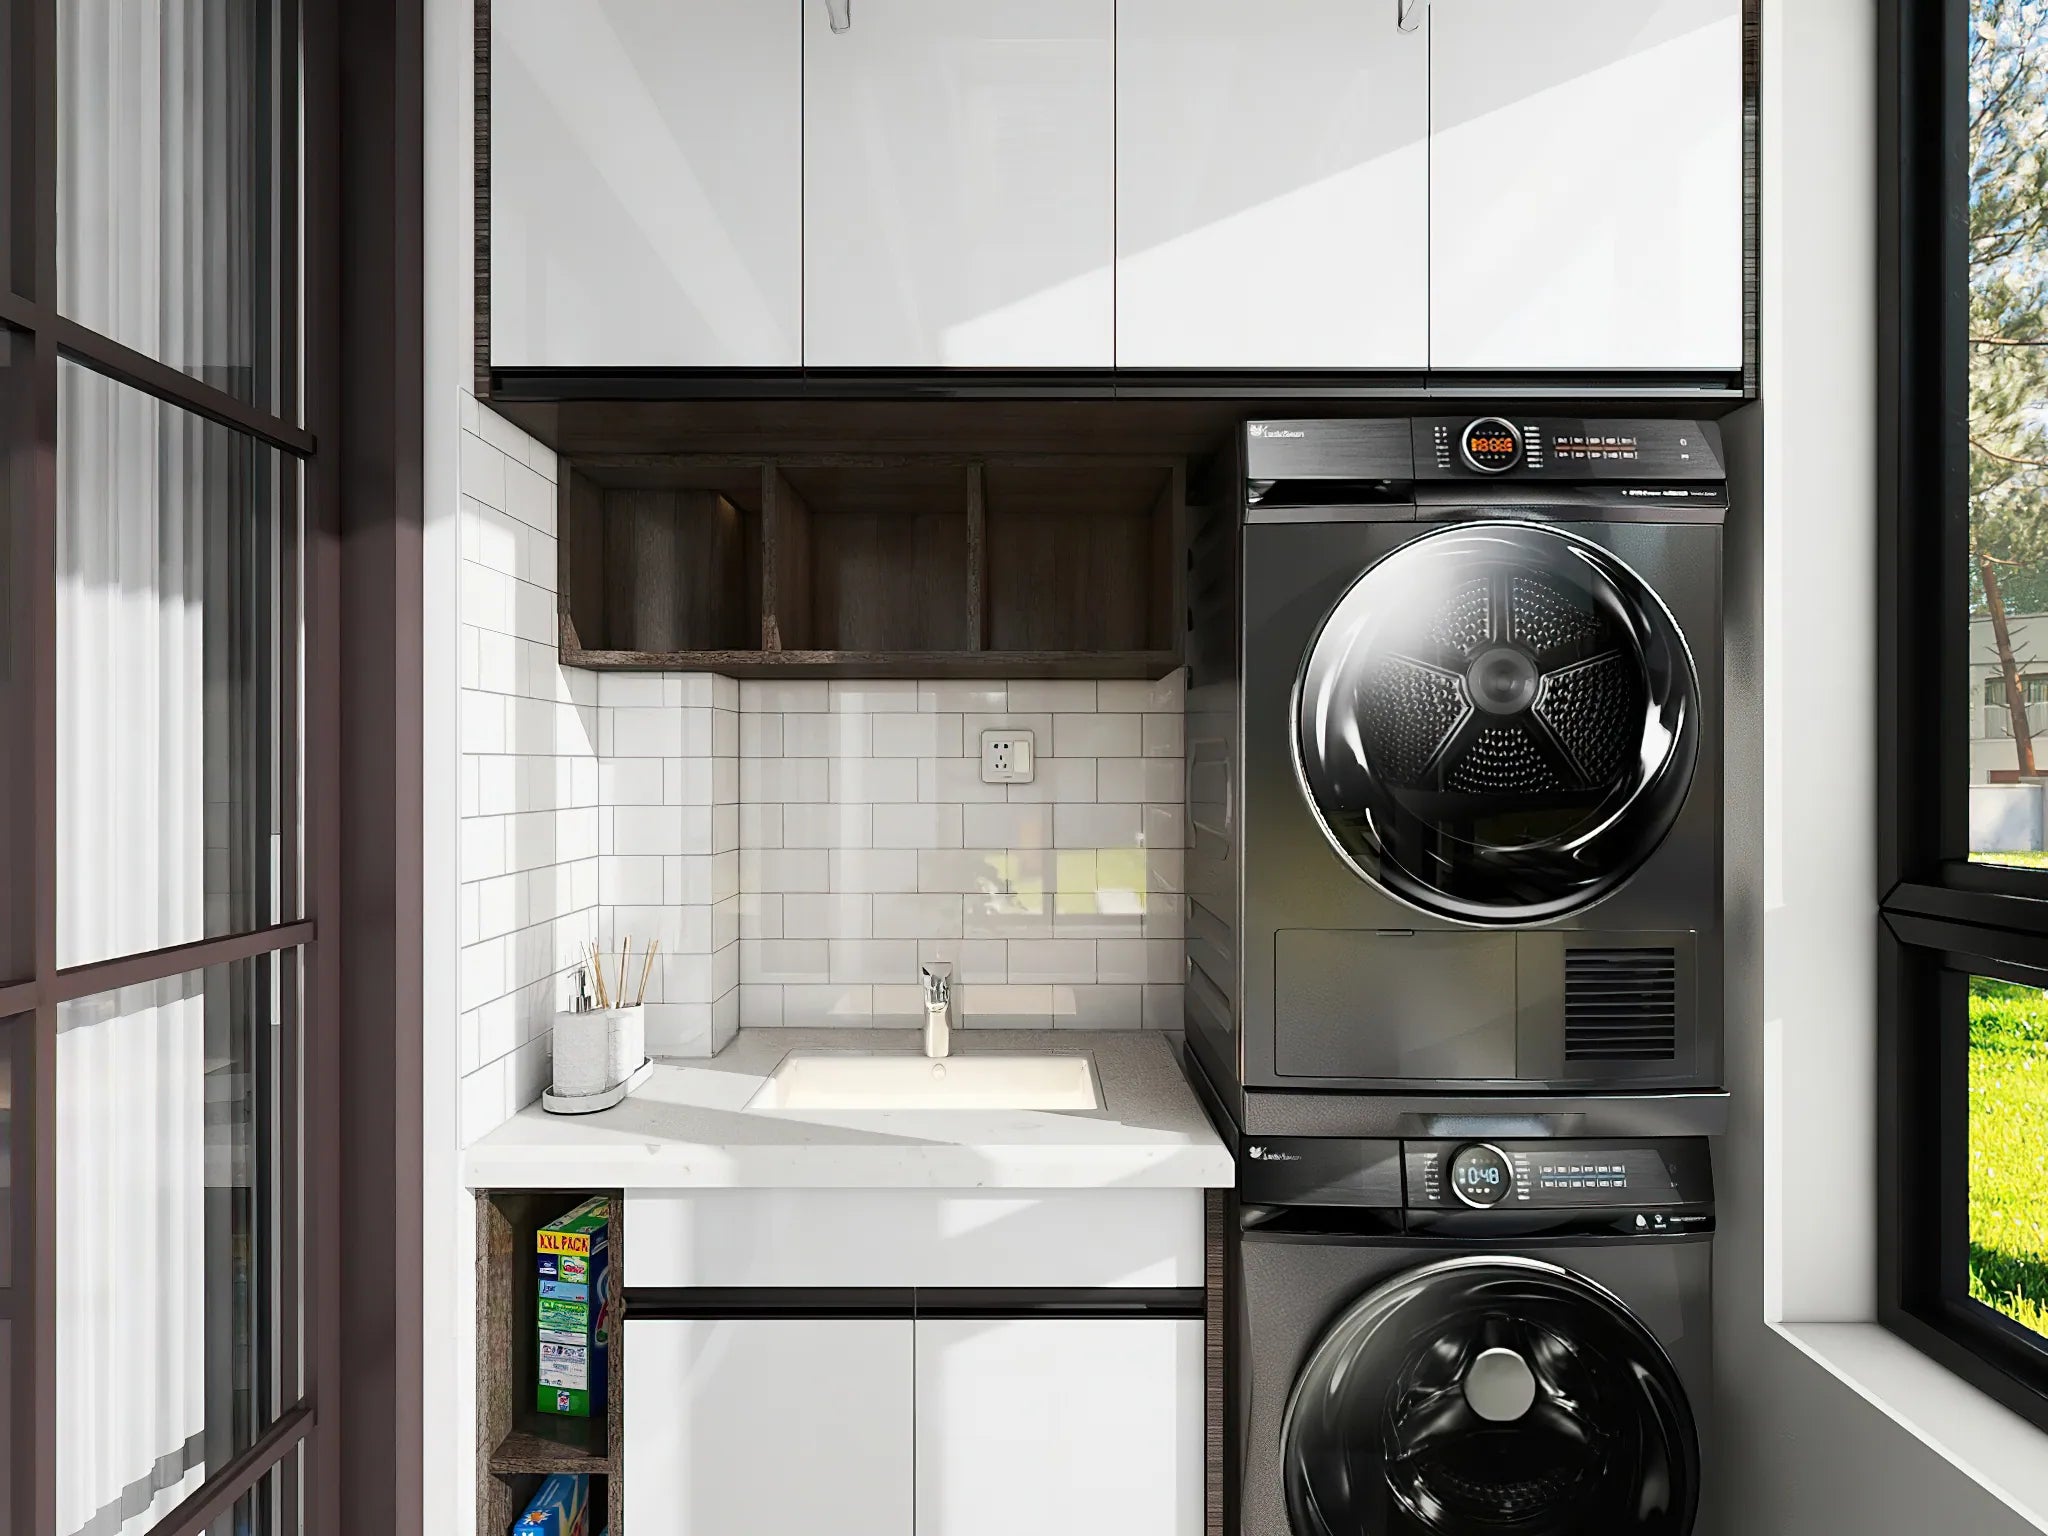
<point>170,1119</point>
<point>17,661</point>
<point>171,616</point>
<point>2008,320</point>
<point>166,199</point>
<point>2009,1150</point>
<point>271,1508</point>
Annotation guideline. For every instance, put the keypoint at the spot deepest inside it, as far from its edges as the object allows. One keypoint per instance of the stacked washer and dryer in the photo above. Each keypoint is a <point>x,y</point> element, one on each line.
<point>1454,965</point>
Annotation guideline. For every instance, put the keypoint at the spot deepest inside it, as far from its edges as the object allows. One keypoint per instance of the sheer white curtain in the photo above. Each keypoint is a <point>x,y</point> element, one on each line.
<point>155,232</point>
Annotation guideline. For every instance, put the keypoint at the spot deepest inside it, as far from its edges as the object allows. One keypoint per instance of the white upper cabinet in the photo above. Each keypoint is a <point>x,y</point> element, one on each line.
<point>1586,184</point>
<point>1272,184</point>
<point>1081,1426</point>
<point>646,183</point>
<point>959,161</point>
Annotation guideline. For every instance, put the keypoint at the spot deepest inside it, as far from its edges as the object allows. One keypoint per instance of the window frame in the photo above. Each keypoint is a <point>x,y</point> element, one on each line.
<point>1941,917</point>
<point>349,412</point>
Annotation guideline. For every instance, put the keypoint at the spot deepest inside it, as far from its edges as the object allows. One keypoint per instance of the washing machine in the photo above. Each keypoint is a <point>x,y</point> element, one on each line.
<point>1443,1337</point>
<point>1453,757</point>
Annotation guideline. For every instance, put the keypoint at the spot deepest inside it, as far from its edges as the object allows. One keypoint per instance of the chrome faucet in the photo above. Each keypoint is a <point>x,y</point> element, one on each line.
<point>938,1008</point>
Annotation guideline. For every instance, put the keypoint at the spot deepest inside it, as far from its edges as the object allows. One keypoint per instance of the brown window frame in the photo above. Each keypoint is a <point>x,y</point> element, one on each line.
<point>349,412</point>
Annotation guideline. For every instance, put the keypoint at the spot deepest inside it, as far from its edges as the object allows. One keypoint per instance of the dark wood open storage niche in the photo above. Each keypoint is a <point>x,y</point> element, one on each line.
<point>913,565</point>
<point>517,1445</point>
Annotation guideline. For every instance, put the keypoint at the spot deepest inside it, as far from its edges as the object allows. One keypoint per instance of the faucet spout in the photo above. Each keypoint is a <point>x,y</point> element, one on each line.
<point>938,1008</point>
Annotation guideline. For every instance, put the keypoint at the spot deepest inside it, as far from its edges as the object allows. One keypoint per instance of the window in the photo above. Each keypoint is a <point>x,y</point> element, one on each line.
<point>158,1335</point>
<point>1963,697</point>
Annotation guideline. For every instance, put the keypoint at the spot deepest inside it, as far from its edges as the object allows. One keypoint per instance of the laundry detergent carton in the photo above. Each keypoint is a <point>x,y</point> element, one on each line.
<point>561,1508</point>
<point>576,1310</point>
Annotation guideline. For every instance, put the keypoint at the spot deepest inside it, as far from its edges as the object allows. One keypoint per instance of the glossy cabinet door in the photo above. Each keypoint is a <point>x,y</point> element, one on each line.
<point>1084,1426</point>
<point>769,1427</point>
<point>1586,184</point>
<point>959,157</point>
<point>646,183</point>
<point>1272,184</point>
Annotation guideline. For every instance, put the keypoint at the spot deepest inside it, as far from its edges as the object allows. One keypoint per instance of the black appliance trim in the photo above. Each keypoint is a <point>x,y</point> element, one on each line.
<point>798,1301</point>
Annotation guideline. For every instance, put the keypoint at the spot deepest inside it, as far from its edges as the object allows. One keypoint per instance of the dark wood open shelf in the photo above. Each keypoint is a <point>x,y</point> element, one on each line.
<point>877,565</point>
<point>517,1444</point>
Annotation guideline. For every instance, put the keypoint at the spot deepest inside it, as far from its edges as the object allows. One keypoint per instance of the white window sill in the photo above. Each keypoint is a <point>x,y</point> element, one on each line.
<point>1991,1444</point>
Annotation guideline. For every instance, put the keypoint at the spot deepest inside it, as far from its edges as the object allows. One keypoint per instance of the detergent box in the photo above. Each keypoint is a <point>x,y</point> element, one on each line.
<point>561,1508</point>
<point>574,1258</point>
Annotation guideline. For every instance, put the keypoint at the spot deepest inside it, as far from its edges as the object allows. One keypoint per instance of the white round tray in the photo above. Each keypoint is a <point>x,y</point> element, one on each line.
<point>590,1103</point>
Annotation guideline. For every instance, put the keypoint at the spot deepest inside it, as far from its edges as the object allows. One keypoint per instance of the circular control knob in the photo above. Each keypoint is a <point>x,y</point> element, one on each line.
<point>1481,1175</point>
<point>1491,445</point>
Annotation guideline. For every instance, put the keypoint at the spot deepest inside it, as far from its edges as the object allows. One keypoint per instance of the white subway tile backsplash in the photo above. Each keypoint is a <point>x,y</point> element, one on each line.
<point>761,825</point>
<point>1051,696</point>
<point>1033,960</point>
<point>962,870</point>
<point>1061,778</point>
<point>874,869</point>
<point>1098,1007</point>
<point>873,960</point>
<point>827,1004</point>
<point>828,825</point>
<point>1009,915</point>
<point>648,732</point>
<point>778,696</point>
<point>1039,725</point>
<point>760,1005</point>
<point>760,735</point>
<point>1164,1007</point>
<point>972,959</point>
<point>874,779</point>
<point>1168,695</point>
<point>630,690</point>
<point>1139,960</point>
<point>481,471</point>
<point>985,1005</point>
<point>1139,779</point>
<point>1163,736</point>
<point>872,695</point>
<point>1097,735</point>
<point>1165,826</point>
<point>956,779</point>
<point>962,697</point>
<point>918,735</point>
<point>916,826</point>
<point>900,915</point>
<point>826,735</point>
<point>630,781</point>
<point>785,960</point>
<point>1098,826</point>
<point>789,779</point>
<point>782,870</point>
<point>828,917</point>
<point>1007,826</point>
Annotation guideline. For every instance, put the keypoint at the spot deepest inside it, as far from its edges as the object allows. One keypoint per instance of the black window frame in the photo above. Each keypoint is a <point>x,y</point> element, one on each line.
<point>1942,918</point>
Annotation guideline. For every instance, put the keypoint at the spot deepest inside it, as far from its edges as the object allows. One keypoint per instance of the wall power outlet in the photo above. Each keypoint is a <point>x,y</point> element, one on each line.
<point>1005,757</point>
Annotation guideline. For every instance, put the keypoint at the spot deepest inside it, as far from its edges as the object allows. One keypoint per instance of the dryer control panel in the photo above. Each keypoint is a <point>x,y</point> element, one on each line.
<point>1635,1187</point>
<point>1575,449</point>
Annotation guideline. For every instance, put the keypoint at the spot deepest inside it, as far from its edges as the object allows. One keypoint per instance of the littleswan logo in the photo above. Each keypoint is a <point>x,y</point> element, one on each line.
<point>1273,1155</point>
<point>1260,429</point>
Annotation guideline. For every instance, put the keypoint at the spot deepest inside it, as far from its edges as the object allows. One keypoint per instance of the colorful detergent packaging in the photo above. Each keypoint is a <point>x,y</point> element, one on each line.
<point>561,1508</point>
<point>576,1309</point>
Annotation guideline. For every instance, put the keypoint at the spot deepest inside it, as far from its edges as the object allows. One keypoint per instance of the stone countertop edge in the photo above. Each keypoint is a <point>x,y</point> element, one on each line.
<point>688,1127</point>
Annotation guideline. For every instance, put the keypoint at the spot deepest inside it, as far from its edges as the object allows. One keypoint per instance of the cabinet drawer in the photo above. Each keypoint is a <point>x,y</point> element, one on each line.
<point>892,1237</point>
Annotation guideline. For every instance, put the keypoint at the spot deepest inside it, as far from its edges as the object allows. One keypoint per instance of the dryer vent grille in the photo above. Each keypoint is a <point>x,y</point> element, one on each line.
<point>1620,1004</point>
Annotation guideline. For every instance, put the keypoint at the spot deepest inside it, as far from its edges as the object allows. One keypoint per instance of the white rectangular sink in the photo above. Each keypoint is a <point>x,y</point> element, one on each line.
<point>847,1080</point>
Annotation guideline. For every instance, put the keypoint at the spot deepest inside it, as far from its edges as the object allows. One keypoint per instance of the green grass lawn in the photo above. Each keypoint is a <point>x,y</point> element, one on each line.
<point>2009,1150</point>
<point>2012,860</point>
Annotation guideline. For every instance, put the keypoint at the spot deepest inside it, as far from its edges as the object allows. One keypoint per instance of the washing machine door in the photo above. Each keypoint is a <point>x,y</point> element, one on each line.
<point>1498,723</point>
<point>1489,1395</point>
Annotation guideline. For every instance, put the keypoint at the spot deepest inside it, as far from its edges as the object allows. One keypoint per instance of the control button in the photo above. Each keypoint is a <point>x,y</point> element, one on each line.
<point>1481,1175</point>
<point>1628,442</point>
<point>1640,1222</point>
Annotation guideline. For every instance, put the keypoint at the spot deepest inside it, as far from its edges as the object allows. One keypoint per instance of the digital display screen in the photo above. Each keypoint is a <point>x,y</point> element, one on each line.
<point>1492,445</point>
<point>1480,1175</point>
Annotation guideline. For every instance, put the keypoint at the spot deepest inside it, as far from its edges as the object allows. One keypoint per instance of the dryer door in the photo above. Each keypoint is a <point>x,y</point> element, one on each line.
<point>1482,1395</point>
<point>1498,723</point>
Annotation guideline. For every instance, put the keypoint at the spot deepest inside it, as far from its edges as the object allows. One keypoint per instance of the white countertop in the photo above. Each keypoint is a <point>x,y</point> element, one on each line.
<point>688,1127</point>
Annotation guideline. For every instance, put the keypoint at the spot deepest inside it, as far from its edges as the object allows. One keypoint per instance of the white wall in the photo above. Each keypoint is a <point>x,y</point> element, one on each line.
<point>1800,1448</point>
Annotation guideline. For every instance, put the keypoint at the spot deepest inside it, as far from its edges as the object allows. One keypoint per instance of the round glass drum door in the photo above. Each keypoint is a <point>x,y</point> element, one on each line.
<point>1498,723</point>
<point>1489,1395</point>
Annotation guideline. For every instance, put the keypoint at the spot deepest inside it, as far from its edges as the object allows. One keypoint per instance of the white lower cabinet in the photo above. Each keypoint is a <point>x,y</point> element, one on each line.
<point>1084,1426</point>
<point>769,1427</point>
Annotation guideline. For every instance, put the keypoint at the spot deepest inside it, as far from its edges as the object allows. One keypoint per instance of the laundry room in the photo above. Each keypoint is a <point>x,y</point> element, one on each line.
<point>1131,767</point>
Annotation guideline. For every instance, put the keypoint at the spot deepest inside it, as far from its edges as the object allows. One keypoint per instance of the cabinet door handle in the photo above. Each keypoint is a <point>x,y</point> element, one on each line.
<point>1404,14</point>
<point>841,14</point>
